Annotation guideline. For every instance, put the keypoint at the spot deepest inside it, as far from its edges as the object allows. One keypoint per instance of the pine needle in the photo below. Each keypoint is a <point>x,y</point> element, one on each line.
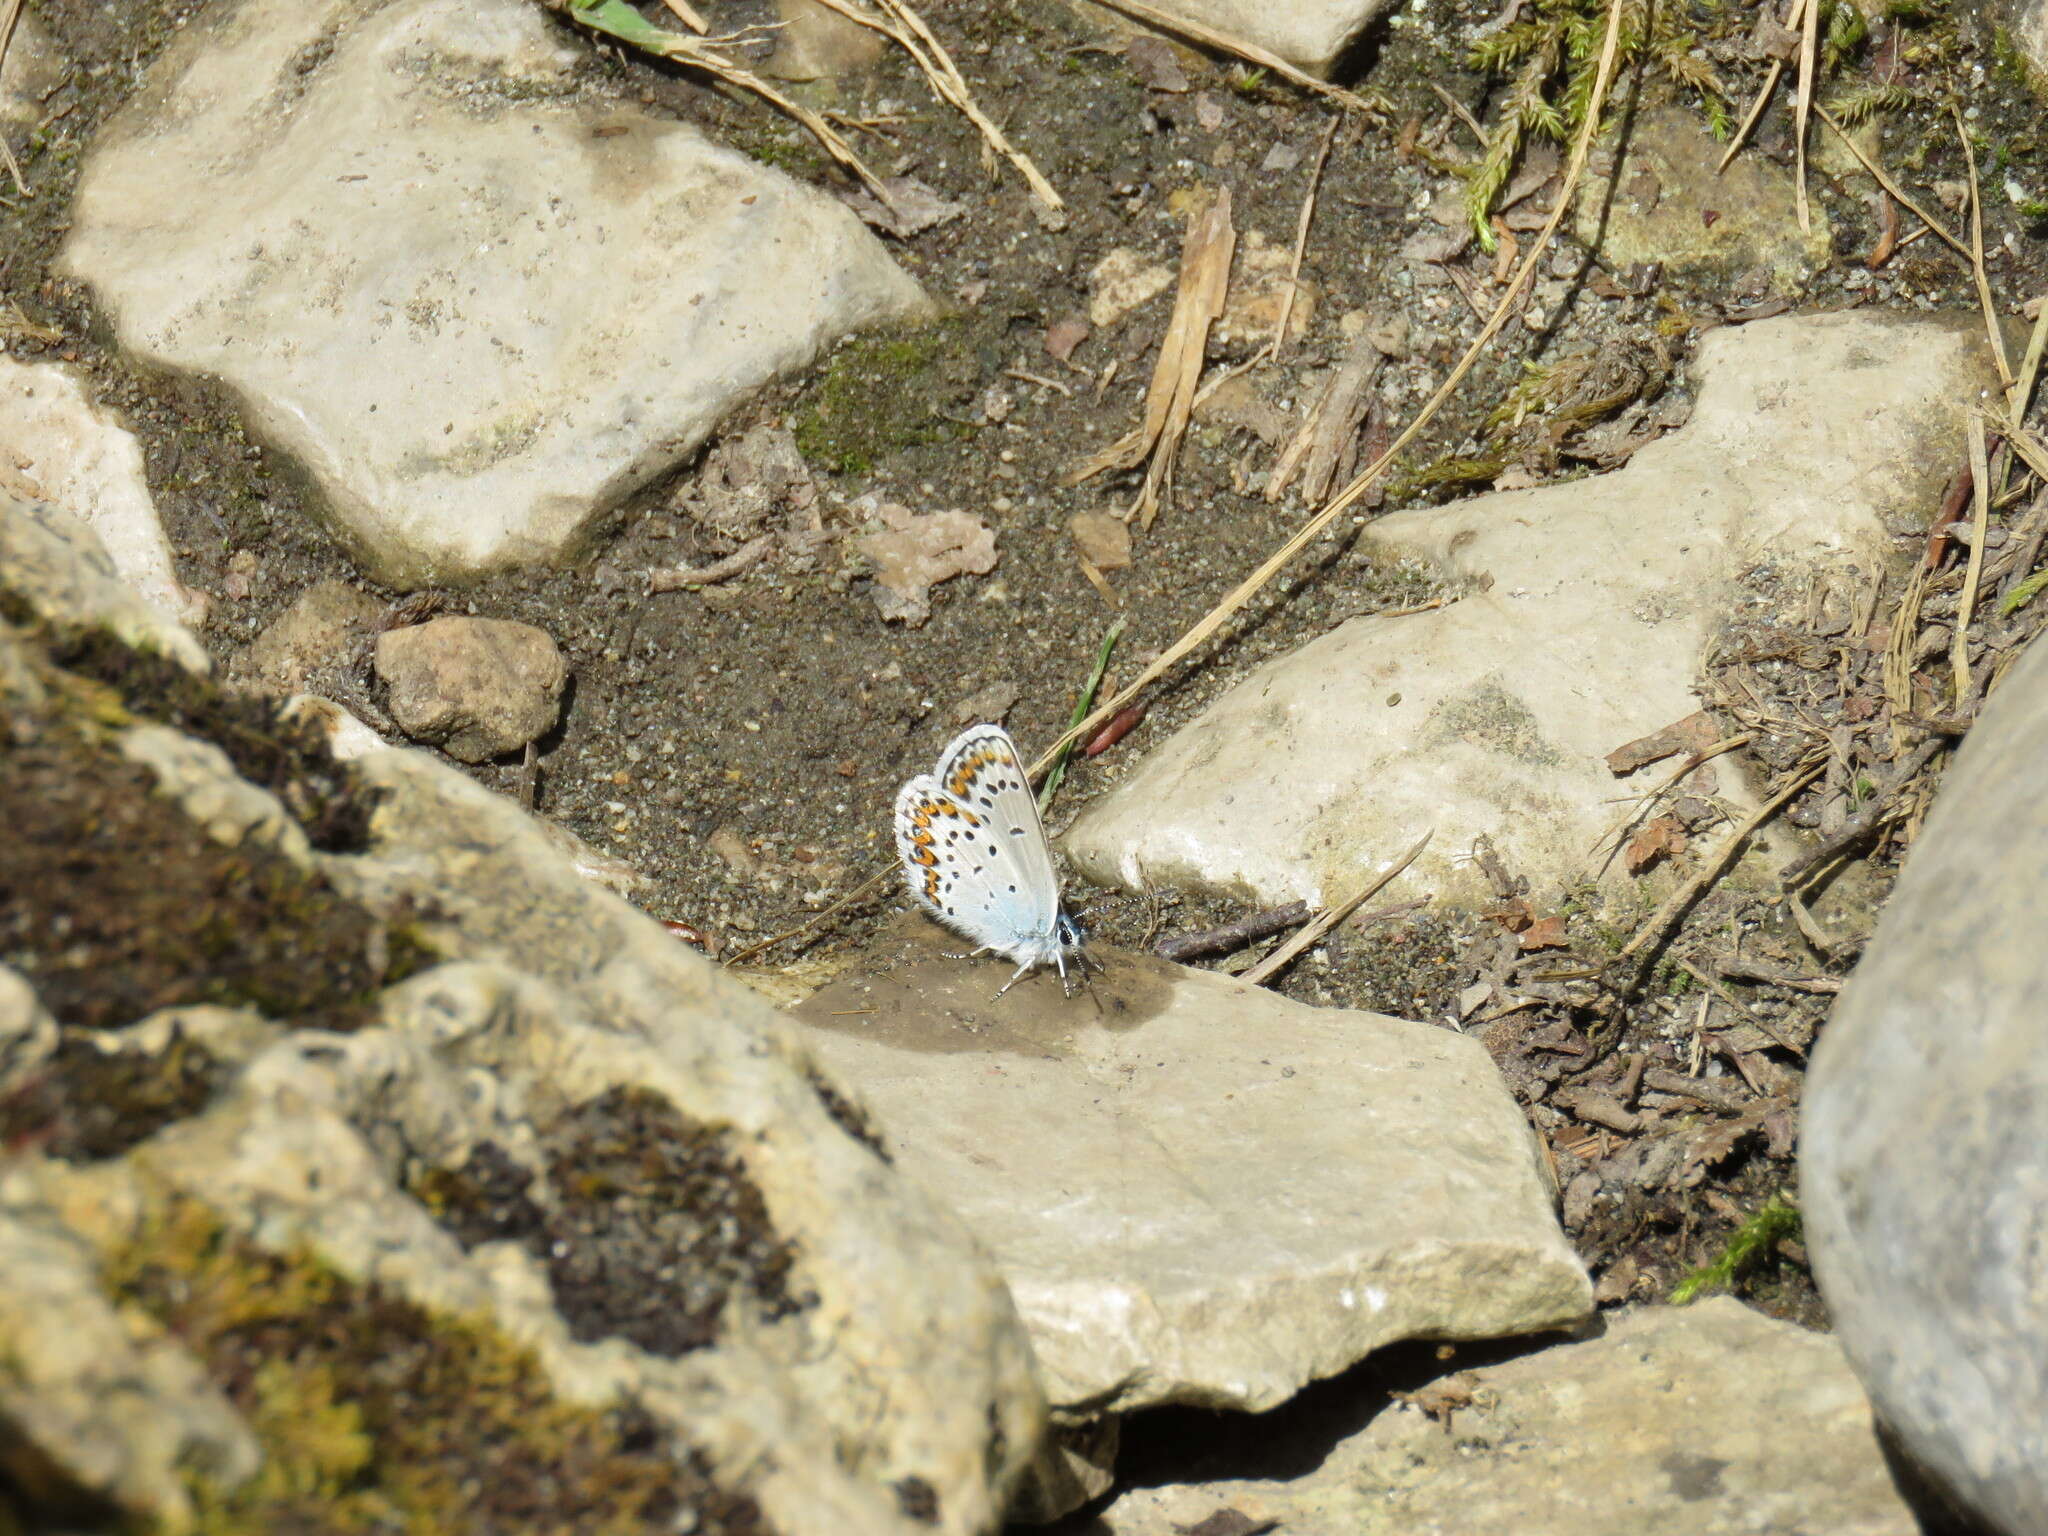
<point>1756,108</point>
<point>1993,331</point>
<point>1966,602</point>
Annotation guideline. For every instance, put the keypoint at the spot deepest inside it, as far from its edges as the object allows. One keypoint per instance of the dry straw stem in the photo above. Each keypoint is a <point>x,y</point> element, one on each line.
<point>1301,228</point>
<point>2030,369</point>
<point>686,15</point>
<point>1992,330</point>
<point>1661,921</point>
<point>1884,179</point>
<point>1756,108</point>
<point>1330,917</point>
<point>1980,474</point>
<point>1251,53</point>
<point>1802,109</point>
<point>1348,497</point>
<point>10,12</point>
<point>907,30</point>
<point>1170,398</point>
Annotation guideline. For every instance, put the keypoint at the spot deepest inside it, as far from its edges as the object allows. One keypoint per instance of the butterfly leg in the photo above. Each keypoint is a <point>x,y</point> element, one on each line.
<point>1022,971</point>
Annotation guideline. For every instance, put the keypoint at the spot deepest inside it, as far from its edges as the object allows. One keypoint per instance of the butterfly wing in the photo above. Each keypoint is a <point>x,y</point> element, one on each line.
<point>973,849</point>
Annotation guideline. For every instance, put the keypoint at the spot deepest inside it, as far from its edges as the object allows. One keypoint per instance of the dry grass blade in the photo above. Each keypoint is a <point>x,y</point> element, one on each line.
<point>1273,564</point>
<point>10,12</point>
<point>1251,53</point>
<point>1611,839</point>
<point>1756,108</point>
<point>1170,398</point>
<point>617,19</point>
<point>1330,917</point>
<point>907,30</point>
<point>687,15</point>
<point>2030,370</point>
<point>1661,921</point>
<point>1993,332</point>
<point>1301,228</point>
<point>1802,109</point>
<point>1980,471</point>
<point>1885,180</point>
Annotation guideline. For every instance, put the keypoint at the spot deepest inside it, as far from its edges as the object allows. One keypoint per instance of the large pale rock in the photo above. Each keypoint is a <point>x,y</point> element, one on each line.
<point>1312,35</point>
<point>1812,443</point>
<point>1924,1154</point>
<point>56,565</point>
<point>1660,197</point>
<point>574,1138</point>
<point>1707,1420</point>
<point>1199,1191</point>
<point>476,302</point>
<point>57,445</point>
<point>477,687</point>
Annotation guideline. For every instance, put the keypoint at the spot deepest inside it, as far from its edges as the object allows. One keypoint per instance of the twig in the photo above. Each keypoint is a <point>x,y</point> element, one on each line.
<point>1039,379</point>
<point>1993,332</point>
<point>1330,917</point>
<point>1232,935</point>
<point>1966,601</point>
<point>1660,922</point>
<point>1308,213</point>
<point>675,577</point>
<point>1885,180</point>
<point>1352,493</point>
<point>1250,52</point>
<point>1867,821</point>
<point>1720,989</point>
<point>907,30</point>
<point>687,16</point>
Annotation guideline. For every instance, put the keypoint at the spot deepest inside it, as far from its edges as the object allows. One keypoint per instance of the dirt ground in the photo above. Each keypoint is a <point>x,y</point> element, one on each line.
<point>740,745</point>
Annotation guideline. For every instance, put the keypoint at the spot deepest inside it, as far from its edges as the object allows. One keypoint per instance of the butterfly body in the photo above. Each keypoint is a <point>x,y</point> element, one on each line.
<point>976,858</point>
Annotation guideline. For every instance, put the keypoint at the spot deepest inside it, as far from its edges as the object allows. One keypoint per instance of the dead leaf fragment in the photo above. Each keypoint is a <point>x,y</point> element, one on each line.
<point>1659,839</point>
<point>911,209</point>
<point>1062,336</point>
<point>1105,541</point>
<point>1155,63</point>
<point>913,553</point>
<point>1544,933</point>
<point>1695,733</point>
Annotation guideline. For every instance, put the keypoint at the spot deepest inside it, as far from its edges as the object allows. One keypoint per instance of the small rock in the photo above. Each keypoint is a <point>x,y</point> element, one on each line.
<point>1281,158</point>
<point>1063,336</point>
<point>478,688</point>
<point>988,703</point>
<point>321,631</point>
<point>1155,63</point>
<point>814,42</point>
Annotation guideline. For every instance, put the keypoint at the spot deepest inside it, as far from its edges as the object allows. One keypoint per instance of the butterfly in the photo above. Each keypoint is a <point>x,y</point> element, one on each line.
<point>975,856</point>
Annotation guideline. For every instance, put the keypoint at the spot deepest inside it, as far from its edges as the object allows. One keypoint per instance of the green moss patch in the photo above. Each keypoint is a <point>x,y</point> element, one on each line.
<point>85,1103</point>
<point>377,1416</point>
<point>880,394</point>
<point>646,1220</point>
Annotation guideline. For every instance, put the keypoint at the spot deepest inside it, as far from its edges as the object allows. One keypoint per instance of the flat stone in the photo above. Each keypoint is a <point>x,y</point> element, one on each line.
<point>316,639</point>
<point>477,299</point>
<point>31,71</point>
<point>815,42</point>
<point>1708,1420</point>
<point>57,445</point>
<point>1924,1137</point>
<point>1200,1191</point>
<point>1661,199</point>
<point>1312,35</point>
<point>1813,443</point>
<point>55,563</point>
<point>477,687</point>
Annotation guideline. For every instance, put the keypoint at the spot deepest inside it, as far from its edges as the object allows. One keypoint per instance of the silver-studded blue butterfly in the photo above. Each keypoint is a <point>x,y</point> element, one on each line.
<point>975,855</point>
